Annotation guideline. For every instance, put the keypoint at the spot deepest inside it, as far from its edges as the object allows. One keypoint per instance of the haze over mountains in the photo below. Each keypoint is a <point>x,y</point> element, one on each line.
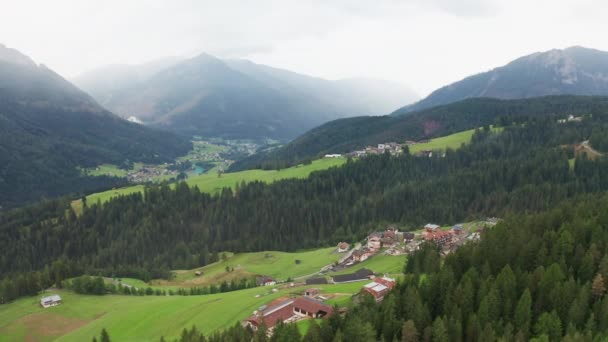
<point>239,99</point>
<point>49,128</point>
<point>572,71</point>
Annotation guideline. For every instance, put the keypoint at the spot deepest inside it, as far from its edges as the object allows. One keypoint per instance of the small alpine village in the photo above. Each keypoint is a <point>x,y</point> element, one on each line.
<point>314,303</point>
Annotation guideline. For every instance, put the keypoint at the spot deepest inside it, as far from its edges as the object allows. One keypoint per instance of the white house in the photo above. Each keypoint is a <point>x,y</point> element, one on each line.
<point>49,301</point>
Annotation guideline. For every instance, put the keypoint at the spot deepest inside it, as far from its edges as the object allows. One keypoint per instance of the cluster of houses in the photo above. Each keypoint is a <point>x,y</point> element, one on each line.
<point>571,118</point>
<point>390,147</point>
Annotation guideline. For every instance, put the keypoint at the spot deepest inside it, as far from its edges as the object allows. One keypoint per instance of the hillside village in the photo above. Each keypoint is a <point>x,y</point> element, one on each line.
<point>388,147</point>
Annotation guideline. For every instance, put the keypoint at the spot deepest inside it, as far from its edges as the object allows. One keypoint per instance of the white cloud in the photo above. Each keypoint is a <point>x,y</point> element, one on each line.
<point>424,44</point>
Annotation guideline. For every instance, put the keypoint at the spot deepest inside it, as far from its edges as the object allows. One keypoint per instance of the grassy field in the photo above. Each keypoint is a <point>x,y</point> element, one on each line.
<point>210,182</point>
<point>452,141</point>
<point>134,318</point>
<point>382,263</point>
<point>280,265</point>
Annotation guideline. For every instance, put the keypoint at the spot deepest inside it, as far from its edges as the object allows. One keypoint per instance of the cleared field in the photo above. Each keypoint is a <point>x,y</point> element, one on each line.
<point>280,265</point>
<point>452,141</point>
<point>382,263</point>
<point>134,318</point>
<point>212,183</point>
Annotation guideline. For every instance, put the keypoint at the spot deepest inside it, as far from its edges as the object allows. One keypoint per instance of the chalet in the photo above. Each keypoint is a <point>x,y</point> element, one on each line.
<point>408,236</point>
<point>379,287</point>
<point>304,306</point>
<point>431,227</point>
<point>265,281</point>
<point>441,238</point>
<point>374,241</point>
<point>458,229</point>
<point>343,247</point>
<point>53,300</point>
<point>316,281</point>
<point>362,254</point>
<point>333,155</point>
<point>311,292</point>
<point>361,274</point>
<point>290,310</point>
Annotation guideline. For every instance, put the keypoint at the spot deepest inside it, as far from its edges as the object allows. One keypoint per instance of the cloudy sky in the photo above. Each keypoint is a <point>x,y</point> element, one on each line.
<point>421,43</point>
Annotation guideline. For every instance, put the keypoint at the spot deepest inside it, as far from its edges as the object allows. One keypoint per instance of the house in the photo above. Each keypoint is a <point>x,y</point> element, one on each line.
<point>382,146</point>
<point>431,227</point>
<point>408,236</point>
<point>316,281</point>
<point>362,254</point>
<point>265,281</point>
<point>441,238</point>
<point>304,306</point>
<point>374,241</point>
<point>343,247</point>
<point>379,287</point>
<point>311,292</point>
<point>198,273</point>
<point>458,229</point>
<point>289,310</point>
<point>361,274</point>
<point>53,300</point>
<point>335,155</point>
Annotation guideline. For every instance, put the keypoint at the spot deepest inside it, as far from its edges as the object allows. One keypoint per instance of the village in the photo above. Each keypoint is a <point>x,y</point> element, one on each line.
<point>388,147</point>
<point>391,242</point>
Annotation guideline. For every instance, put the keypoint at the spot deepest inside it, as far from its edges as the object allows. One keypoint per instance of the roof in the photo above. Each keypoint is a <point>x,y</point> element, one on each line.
<point>312,306</point>
<point>431,226</point>
<point>53,298</point>
<point>273,315</point>
<point>316,281</point>
<point>361,274</point>
<point>409,235</point>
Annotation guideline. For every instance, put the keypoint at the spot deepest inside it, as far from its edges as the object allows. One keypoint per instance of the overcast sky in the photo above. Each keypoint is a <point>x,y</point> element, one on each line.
<point>422,43</point>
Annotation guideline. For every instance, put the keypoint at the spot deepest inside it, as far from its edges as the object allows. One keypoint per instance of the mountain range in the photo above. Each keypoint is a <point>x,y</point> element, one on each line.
<point>235,99</point>
<point>49,129</point>
<point>572,71</point>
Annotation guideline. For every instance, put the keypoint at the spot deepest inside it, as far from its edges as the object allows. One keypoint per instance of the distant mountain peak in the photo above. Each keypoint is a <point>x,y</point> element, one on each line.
<point>575,70</point>
<point>13,56</point>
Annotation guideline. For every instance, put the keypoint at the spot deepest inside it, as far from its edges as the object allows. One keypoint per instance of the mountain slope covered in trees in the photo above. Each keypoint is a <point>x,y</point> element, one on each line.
<point>524,168</point>
<point>49,128</point>
<point>346,135</point>
<point>238,99</point>
<point>572,71</point>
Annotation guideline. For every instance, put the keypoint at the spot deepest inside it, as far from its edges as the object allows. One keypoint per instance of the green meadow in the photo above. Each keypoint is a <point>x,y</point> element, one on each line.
<point>213,183</point>
<point>452,141</point>
<point>135,318</point>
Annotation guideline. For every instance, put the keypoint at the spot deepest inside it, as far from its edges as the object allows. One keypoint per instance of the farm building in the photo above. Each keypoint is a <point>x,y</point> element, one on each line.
<point>379,287</point>
<point>362,254</point>
<point>458,228</point>
<point>316,281</point>
<point>343,247</point>
<point>408,236</point>
<point>311,292</point>
<point>198,273</point>
<point>374,241</point>
<point>431,227</point>
<point>265,281</point>
<point>49,301</point>
<point>361,274</point>
<point>287,311</point>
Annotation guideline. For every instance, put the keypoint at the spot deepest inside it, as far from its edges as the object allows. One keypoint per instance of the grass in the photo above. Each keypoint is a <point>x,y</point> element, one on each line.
<point>135,318</point>
<point>280,265</point>
<point>381,263</point>
<point>452,141</point>
<point>212,183</point>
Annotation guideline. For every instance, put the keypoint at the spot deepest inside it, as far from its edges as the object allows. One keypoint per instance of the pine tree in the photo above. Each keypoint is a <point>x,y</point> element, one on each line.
<point>105,337</point>
<point>440,332</point>
<point>597,287</point>
<point>523,312</point>
<point>409,332</point>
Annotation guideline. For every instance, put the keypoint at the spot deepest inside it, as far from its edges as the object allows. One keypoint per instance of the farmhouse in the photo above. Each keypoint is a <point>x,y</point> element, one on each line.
<point>343,247</point>
<point>311,292</point>
<point>458,229</point>
<point>289,310</point>
<point>408,236</point>
<point>379,287</point>
<point>49,301</point>
<point>265,281</point>
<point>361,274</point>
<point>431,227</point>
<point>374,241</point>
<point>333,155</point>
<point>362,254</point>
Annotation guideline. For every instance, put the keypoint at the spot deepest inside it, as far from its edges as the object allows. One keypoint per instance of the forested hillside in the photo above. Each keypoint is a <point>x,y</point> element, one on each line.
<point>525,168</point>
<point>346,135</point>
<point>539,277</point>
<point>49,128</point>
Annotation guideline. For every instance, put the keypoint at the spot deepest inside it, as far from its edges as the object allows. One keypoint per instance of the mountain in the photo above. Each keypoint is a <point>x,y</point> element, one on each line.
<point>49,128</point>
<point>572,71</point>
<point>345,135</point>
<point>208,96</point>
